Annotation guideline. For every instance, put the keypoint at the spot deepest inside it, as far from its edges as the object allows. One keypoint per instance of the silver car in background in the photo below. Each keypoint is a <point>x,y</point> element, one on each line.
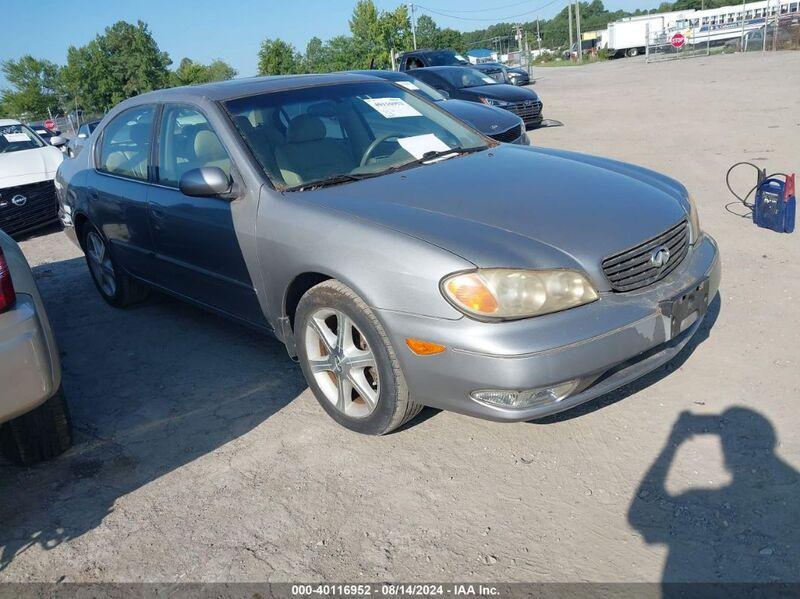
<point>34,422</point>
<point>403,257</point>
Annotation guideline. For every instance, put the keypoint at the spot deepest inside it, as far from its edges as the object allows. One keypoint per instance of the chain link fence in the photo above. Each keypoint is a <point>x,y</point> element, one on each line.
<point>674,42</point>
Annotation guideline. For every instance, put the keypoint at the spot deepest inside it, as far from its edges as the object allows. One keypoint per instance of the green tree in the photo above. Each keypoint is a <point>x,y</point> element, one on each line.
<point>34,88</point>
<point>376,33</point>
<point>122,62</point>
<point>427,32</point>
<point>277,57</point>
<point>316,58</point>
<point>194,73</point>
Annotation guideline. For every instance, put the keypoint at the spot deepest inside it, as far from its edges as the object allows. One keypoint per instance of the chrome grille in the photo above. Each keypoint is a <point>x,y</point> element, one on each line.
<point>633,268</point>
<point>528,110</point>
<point>509,135</point>
<point>40,207</point>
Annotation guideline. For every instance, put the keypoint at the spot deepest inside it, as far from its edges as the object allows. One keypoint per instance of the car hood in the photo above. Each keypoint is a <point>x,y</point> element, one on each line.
<point>518,206</point>
<point>502,91</point>
<point>29,166</point>
<point>486,119</point>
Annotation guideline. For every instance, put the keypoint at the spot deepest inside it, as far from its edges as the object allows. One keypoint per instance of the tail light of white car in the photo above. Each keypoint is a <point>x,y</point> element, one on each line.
<point>7,294</point>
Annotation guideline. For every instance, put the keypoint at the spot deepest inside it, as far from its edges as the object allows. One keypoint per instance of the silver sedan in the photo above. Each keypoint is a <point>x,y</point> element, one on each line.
<point>404,258</point>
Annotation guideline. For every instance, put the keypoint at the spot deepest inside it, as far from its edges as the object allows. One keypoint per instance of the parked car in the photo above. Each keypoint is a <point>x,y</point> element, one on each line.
<point>473,86</point>
<point>518,76</point>
<point>27,168</point>
<point>438,58</point>
<point>494,122</point>
<point>401,256</point>
<point>76,144</point>
<point>43,132</point>
<point>34,421</point>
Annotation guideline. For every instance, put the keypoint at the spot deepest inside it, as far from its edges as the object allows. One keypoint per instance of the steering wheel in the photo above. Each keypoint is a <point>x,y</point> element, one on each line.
<point>375,143</point>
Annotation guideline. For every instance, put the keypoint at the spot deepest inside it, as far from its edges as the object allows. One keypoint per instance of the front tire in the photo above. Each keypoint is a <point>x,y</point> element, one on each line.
<point>115,286</point>
<point>41,434</point>
<point>349,362</point>
<point>632,52</point>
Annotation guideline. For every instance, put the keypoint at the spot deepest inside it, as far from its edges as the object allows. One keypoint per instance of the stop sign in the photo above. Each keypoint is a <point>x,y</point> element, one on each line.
<point>677,40</point>
<point>50,124</point>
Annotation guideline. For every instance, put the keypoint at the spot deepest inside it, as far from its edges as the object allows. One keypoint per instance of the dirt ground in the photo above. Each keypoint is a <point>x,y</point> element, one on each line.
<point>200,454</point>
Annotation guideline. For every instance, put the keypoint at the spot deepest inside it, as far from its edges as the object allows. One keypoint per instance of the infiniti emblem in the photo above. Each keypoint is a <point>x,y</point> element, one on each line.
<point>19,200</point>
<point>660,256</point>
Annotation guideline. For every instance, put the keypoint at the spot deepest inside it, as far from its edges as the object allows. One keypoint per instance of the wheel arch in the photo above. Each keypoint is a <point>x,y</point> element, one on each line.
<point>297,288</point>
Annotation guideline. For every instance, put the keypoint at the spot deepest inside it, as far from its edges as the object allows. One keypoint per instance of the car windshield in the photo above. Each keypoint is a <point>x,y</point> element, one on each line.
<point>461,78</point>
<point>443,59</point>
<point>428,92</point>
<point>325,135</point>
<point>14,138</point>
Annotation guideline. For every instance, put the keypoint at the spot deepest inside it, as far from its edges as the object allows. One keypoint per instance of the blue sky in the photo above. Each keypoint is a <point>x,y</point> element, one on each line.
<point>227,29</point>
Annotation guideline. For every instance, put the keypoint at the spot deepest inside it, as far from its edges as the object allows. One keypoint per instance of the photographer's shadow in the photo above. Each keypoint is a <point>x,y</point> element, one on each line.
<point>746,531</point>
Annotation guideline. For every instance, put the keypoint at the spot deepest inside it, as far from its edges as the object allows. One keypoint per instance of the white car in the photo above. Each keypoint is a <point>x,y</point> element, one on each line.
<point>34,422</point>
<point>27,168</point>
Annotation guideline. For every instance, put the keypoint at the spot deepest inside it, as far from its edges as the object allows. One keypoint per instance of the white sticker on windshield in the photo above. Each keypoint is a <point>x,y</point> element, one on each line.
<point>16,137</point>
<point>407,85</point>
<point>392,108</point>
<point>488,80</point>
<point>459,57</point>
<point>419,145</point>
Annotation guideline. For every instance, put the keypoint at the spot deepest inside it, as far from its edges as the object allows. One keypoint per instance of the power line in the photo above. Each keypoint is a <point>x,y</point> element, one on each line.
<point>486,9</point>
<point>495,19</point>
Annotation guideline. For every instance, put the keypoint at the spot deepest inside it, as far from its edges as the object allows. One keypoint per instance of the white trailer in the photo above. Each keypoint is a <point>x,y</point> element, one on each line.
<point>629,36</point>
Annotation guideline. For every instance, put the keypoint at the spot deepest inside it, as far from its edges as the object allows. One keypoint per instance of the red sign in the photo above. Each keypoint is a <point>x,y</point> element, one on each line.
<point>50,124</point>
<point>677,40</point>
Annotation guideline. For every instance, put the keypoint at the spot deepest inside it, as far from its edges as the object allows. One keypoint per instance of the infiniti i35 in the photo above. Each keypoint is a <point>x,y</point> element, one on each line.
<point>403,258</point>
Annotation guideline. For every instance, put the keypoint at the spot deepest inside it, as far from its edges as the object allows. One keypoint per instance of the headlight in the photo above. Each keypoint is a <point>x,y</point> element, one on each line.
<point>504,293</point>
<point>493,102</point>
<point>694,220</point>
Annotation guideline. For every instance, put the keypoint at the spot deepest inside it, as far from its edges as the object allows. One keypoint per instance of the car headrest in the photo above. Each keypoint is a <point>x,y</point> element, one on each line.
<point>324,108</point>
<point>305,127</point>
<point>207,147</point>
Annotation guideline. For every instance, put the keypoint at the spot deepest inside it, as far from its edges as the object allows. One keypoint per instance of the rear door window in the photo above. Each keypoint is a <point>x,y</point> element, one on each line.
<point>125,146</point>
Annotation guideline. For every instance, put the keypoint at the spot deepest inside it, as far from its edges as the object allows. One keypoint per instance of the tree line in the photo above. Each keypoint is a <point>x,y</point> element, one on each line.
<point>125,60</point>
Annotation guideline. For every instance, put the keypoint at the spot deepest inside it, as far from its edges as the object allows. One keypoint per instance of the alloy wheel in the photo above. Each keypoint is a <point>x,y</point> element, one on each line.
<point>342,363</point>
<point>100,264</point>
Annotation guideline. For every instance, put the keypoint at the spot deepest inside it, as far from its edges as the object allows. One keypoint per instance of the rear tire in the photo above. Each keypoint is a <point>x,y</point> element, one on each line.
<point>632,52</point>
<point>41,434</point>
<point>114,285</point>
<point>338,375</point>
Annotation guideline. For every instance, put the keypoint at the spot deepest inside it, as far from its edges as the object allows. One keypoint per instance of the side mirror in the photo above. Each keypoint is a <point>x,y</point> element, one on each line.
<point>444,92</point>
<point>57,141</point>
<point>204,182</point>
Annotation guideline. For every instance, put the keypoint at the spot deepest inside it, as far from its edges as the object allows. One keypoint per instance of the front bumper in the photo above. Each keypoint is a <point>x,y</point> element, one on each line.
<point>605,345</point>
<point>29,368</point>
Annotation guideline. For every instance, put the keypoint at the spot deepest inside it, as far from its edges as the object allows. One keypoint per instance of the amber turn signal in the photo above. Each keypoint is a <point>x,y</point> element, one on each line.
<point>424,348</point>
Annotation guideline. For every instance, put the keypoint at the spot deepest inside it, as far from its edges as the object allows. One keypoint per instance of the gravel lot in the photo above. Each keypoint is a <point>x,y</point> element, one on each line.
<point>200,454</point>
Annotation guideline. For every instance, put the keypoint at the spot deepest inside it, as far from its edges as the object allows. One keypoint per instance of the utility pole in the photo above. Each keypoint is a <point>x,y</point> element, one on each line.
<point>766,28</point>
<point>538,37</point>
<point>741,44</point>
<point>413,26</point>
<point>569,17</point>
<point>578,29</point>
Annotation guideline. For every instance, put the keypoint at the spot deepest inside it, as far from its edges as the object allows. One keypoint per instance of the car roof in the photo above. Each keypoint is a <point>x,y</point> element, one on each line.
<point>443,69</point>
<point>428,51</point>
<point>234,88</point>
<point>4,122</point>
<point>388,75</point>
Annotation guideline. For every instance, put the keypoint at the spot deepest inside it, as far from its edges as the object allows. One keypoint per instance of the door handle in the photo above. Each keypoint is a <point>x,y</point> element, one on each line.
<point>159,214</point>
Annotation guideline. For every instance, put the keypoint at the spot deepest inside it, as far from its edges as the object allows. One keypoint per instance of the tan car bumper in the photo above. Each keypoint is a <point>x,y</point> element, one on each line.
<point>30,372</point>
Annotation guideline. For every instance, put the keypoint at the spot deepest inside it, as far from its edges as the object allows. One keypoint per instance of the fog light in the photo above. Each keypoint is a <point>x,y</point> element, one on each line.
<point>507,398</point>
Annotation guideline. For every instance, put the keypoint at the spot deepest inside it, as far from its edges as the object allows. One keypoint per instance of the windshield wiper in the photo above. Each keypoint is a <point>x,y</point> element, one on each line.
<point>327,182</point>
<point>434,154</point>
